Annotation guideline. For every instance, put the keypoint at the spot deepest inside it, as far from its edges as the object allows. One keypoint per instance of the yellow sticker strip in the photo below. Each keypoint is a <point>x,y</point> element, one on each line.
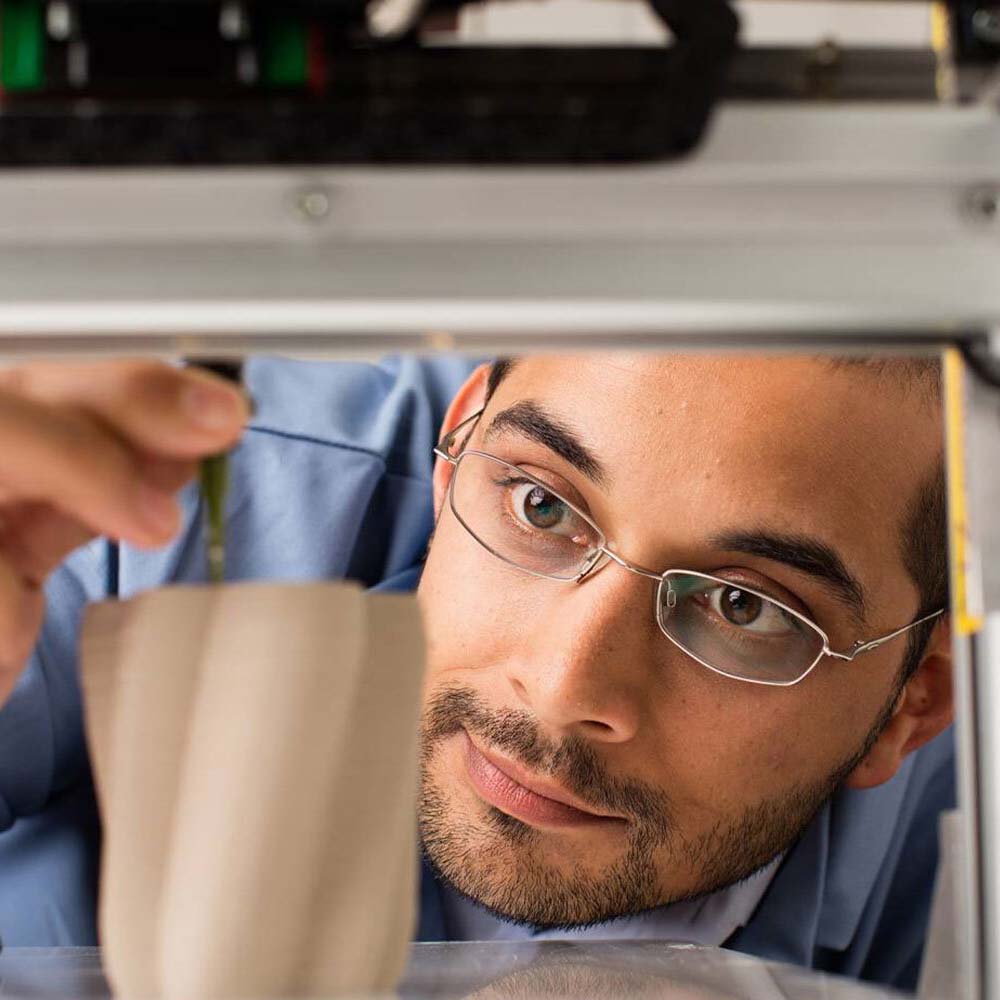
<point>966,621</point>
<point>940,25</point>
<point>940,28</point>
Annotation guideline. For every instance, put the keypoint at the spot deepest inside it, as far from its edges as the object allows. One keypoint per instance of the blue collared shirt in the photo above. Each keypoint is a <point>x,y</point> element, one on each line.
<point>333,479</point>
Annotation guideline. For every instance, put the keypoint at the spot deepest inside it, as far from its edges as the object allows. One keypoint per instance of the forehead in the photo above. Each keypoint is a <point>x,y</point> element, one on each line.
<point>794,444</point>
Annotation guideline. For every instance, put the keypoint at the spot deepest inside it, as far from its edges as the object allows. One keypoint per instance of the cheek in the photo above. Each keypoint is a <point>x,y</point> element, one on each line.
<point>737,742</point>
<point>722,746</point>
<point>469,600</point>
<point>854,696</point>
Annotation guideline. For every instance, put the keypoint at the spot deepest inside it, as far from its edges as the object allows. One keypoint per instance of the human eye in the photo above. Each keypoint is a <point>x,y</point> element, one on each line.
<point>537,508</point>
<point>750,612</point>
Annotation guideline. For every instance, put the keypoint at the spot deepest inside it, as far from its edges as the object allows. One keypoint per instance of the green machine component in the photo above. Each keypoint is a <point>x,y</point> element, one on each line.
<point>214,480</point>
<point>214,477</point>
<point>285,61</point>
<point>155,47</point>
<point>22,45</point>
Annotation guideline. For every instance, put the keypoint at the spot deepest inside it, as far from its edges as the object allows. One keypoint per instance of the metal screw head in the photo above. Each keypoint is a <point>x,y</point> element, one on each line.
<point>981,204</point>
<point>234,21</point>
<point>822,69</point>
<point>60,20</point>
<point>826,53</point>
<point>313,204</point>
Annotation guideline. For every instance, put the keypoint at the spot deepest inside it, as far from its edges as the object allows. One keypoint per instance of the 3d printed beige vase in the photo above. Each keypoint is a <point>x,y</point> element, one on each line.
<point>255,751</point>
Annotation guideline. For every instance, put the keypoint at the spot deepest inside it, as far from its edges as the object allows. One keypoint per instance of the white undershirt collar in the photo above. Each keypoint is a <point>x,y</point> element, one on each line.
<point>711,920</point>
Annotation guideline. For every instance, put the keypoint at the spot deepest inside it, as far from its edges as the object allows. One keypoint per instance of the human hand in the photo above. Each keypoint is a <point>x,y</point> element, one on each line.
<point>94,449</point>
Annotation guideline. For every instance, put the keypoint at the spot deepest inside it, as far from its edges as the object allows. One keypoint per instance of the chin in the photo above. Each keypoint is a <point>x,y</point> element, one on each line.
<point>521,873</point>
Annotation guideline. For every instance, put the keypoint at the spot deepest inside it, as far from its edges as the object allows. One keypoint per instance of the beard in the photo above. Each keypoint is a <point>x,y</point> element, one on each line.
<point>501,864</point>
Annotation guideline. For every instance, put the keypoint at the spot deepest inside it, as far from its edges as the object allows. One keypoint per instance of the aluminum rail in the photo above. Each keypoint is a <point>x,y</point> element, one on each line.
<point>845,223</point>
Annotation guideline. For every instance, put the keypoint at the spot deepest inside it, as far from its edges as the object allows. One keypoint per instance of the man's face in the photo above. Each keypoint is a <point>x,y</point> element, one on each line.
<point>577,764</point>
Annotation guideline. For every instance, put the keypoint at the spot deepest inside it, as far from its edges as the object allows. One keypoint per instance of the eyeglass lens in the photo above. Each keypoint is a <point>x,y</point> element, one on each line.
<point>730,628</point>
<point>520,520</point>
<point>735,630</point>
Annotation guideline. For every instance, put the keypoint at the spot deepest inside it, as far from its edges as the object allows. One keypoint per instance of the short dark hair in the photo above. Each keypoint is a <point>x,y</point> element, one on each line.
<point>924,531</point>
<point>499,370</point>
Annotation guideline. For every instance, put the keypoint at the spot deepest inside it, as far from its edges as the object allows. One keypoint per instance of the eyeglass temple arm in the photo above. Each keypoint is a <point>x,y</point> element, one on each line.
<point>865,647</point>
<point>443,447</point>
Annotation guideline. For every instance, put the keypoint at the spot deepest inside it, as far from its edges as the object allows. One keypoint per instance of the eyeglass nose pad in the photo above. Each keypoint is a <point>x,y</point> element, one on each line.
<point>597,558</point>
<point>666,600</point>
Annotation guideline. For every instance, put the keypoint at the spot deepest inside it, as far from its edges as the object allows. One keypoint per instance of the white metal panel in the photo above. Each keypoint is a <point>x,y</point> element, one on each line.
<point>790,220</point>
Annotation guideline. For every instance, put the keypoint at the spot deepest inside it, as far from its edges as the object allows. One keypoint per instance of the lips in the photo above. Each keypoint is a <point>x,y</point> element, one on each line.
<point>505,786</point>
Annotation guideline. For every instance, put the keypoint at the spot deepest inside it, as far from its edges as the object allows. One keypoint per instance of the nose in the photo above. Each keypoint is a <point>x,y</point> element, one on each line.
<point>587,664</point>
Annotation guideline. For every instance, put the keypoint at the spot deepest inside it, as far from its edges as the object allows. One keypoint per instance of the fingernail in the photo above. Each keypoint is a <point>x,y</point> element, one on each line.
<point>212,407</point>
<point>157,509</point>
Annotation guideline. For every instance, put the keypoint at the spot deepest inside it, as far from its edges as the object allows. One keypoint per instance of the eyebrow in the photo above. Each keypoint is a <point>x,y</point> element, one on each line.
<point>808,555</point>
<point>529,419</point>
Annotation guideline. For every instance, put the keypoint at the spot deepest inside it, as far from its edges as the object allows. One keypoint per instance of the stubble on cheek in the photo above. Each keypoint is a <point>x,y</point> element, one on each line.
<point>522,873</point>
<point>549,879</point>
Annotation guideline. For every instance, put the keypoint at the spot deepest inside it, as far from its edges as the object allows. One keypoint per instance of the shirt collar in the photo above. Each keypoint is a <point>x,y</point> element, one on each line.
<point>710,920</point>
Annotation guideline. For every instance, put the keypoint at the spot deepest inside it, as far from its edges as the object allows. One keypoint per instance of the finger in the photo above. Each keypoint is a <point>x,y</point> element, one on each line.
<point>21,611</point>
<point>35,538</point>
<point>74,464</point>
<point>166,474</point>
<point>177,412</point>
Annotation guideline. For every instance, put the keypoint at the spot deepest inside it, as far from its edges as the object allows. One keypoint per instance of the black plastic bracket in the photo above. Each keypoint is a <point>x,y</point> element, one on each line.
<point>395,103</point>
<point>705,33</point>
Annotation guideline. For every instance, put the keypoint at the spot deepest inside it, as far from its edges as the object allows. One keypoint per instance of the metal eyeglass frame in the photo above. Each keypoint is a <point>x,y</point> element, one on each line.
<point>603,554</point>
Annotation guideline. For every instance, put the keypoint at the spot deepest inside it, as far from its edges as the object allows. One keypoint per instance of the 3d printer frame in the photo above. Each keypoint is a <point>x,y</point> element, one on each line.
<point>837,227</point>
<point>768,239</point>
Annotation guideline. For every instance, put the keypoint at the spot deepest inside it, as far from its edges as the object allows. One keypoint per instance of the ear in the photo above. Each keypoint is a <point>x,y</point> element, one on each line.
<point>924,709</point>
<point>468,399</point>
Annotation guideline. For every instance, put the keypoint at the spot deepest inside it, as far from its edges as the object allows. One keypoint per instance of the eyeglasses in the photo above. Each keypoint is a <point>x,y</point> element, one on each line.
<point>732,629</point>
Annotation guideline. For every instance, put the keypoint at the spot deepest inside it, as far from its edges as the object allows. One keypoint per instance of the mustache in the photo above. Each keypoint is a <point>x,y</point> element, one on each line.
<point>572,761</point>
